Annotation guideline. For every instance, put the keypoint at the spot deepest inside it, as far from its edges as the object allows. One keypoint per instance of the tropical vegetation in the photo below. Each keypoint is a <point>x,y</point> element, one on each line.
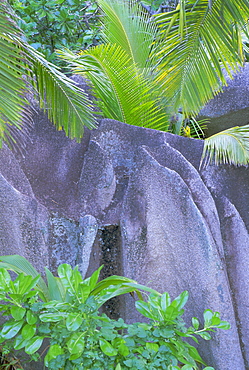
<point>65,311</point>
<point>49,25</point>
<point>146,70</point>
<point>23,70</point>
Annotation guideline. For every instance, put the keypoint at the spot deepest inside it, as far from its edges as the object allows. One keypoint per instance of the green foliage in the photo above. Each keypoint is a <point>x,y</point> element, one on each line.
<point>69,283</point>
<point>123,92</point>
<point>148,69</point>
<point>81,338</point>
<point>49,25</point>
<point>229,146</point>
<point>24,70</point>
<point>196,53</point>
<point>118,69</point>
<point>156,67</point>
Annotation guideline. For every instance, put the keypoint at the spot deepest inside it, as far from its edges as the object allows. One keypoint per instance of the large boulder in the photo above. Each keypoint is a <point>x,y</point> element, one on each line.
<point>135,199</point>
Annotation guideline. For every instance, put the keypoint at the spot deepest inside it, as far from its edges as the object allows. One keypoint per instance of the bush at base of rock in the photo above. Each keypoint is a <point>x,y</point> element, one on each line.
<point>65,311</point>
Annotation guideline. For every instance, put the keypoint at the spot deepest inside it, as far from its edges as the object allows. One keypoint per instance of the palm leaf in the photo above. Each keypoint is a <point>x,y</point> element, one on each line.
<point>12,85</point>
<point>21,65</point>
<point>199,46</point>
<point>229,147</point>
<point>66,105</point>
<point>128,25</point>
<point>123,92</point>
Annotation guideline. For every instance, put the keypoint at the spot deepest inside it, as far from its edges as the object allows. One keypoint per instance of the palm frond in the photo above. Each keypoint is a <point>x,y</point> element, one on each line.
<point>123,92</point>
<point>12,84</point>
<point>67,106</point>
<point>128,25</point>
<point>21,66</point>
<point>199,46</point>
<point>228,147</point>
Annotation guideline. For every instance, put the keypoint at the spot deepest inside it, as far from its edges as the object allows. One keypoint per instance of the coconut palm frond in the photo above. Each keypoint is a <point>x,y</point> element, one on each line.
<point>128,25</point>
<point>227,147</point>
<point>21,67</point>
<point>122,92</point>
<point>13,66</point>
<point>199,47</point>
<point>67,106</point>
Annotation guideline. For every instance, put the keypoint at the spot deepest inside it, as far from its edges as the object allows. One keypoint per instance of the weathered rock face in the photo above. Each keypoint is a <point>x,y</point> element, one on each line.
<point>229,108</point>
<point>135,200</point>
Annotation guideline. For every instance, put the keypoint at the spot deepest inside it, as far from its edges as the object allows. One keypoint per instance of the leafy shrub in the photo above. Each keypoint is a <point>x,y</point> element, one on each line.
<point>65,311</point>
<point>53,24</point>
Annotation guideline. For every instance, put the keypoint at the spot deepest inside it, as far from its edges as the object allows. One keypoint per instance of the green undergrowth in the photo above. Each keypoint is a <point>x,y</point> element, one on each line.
<point>58,322</point>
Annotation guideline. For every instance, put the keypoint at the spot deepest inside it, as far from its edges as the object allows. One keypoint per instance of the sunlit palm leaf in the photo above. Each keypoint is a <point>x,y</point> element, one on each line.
<point>230,146</point>
<point>20,65</point>
<point>128,25</point>
<point>66,105</point>
<point>12,68</point>
<point>123,92</point>
<point>199,47</point>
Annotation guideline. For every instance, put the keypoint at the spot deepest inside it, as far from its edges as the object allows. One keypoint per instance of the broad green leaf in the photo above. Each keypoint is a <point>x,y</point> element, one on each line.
<point>208,316</point>
<point>83,292</point>
<point>33,345</point>
<point>92,281</point>
<point>54,351</point>
<point>65,273</point>
<point>4,279</point>
<point>20,342</point>
<point>171,312</point>
<point>53,288</point>
<point>124,281</point>
<point>77,278</point>
<point>76,343</point>
<point>165,301</point>
<point>123,349</point>
<point>111,292</point>
<point>56,305</point>
<point>145,310</point>
<point>52,317</point>
<point>187,367</point>
<point>31,318</point>
<point>73,321</point>
<point>28,331</point>
<point>215,320</point>
<point>223,325</point>
<point>17,312</point>
<point>181,300</point>
<point>25,283</point>
<point>11,328</point>
<point>205,335</point>
<point>152,346</point>
<point>195,323</point>
<point>107,348</point>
